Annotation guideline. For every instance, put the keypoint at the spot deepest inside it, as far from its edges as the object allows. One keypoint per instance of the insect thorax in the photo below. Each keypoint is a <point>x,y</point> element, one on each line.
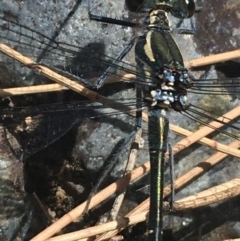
<point>160,65</point>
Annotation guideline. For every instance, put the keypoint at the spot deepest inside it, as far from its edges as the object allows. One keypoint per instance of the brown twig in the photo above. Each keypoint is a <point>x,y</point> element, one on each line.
<point>131,163</point>
<point>93,231</point>
<point>199,137</point>
<point>199,169</point>
<point>94,96</point>
<point>213,59</point>
<point>32,89</point>
<point>206,130</point>
<point>235,239</point>
<point>43,208</point>
<point>132,158</point>
<point>112,79</point>
<point>212,195</point>
<point>35,89</point>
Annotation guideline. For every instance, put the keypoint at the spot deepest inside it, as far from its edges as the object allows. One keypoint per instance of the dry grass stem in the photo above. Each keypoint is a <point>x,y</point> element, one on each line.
<point>94,96</point>
<point>131,163</point>
<point>35,89</point>
<point>212,195</point>
<point>206,130</point>
<point>112,79</point>
<point>199,169</point>
<point>193,137</point>
<point>213,59</point>
<point>93,231</point>
<point>235,239</point>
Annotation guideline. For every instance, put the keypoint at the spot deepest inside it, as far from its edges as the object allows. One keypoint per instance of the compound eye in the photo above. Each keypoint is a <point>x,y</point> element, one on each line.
<point>183,9</point>
<point>191,7</point>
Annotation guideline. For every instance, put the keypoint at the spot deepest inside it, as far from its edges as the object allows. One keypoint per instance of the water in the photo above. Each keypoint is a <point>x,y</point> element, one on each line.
<point>90,147</point>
